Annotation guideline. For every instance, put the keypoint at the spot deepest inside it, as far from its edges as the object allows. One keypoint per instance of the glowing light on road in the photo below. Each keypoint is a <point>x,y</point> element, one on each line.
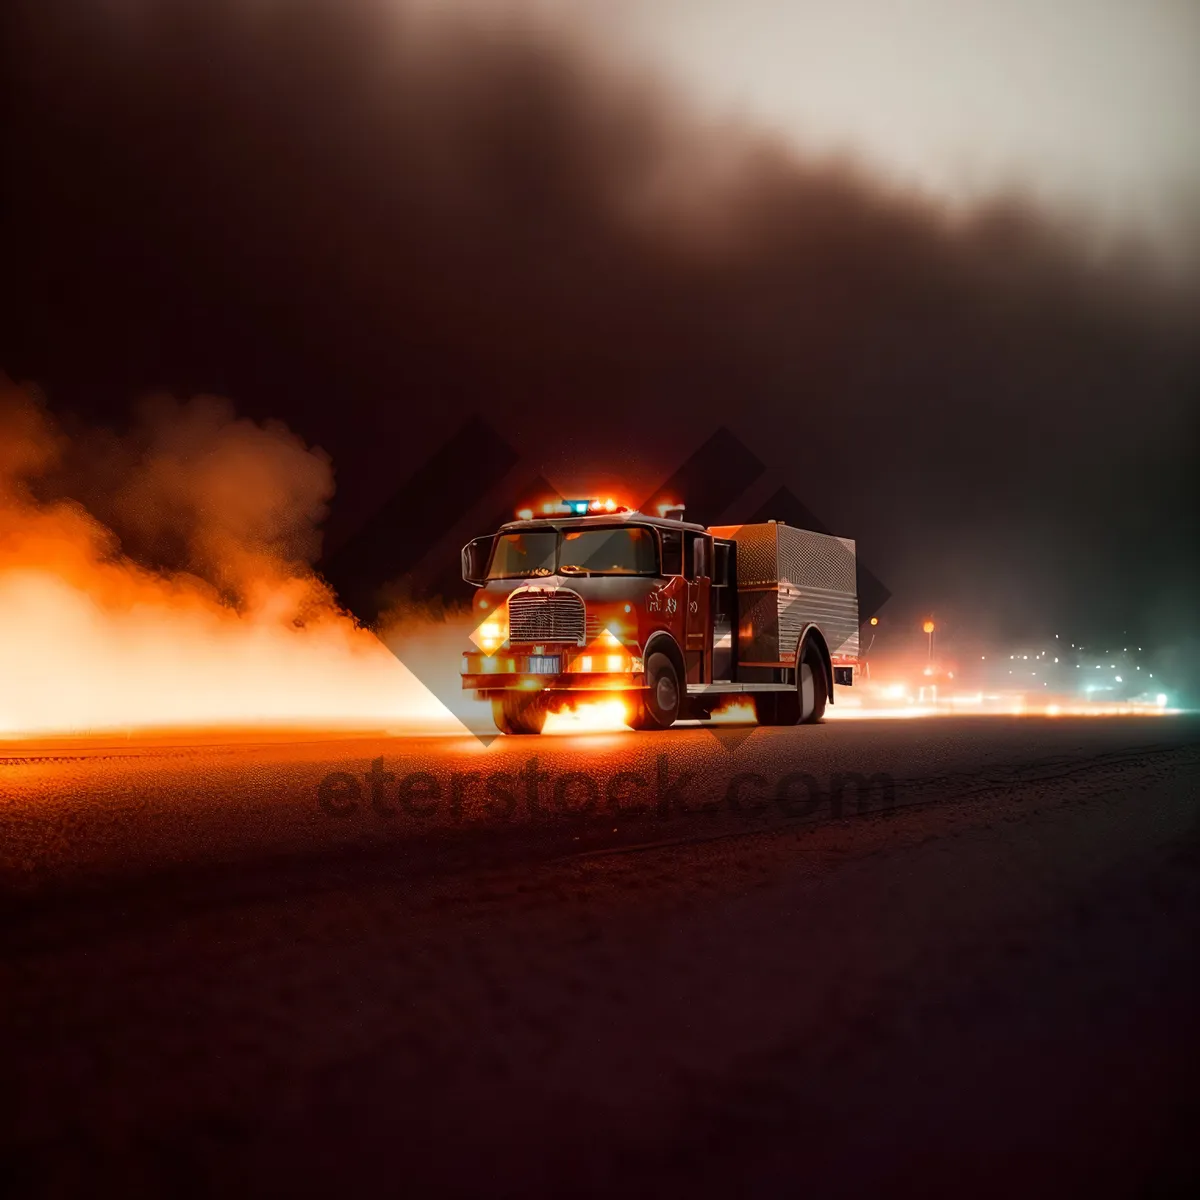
<point>590,716</point>
<point>734,712</point>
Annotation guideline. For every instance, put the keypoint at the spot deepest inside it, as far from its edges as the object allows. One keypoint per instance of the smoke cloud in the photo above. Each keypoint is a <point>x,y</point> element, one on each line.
<point>371,219</point>
<point>198,605</point>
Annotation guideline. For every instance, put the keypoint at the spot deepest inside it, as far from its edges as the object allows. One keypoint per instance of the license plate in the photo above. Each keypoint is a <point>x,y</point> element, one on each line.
<point>544,664</point>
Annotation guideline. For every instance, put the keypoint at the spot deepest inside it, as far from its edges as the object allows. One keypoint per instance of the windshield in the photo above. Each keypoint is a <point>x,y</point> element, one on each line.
<point>627,550</point>
<point>518,554</point>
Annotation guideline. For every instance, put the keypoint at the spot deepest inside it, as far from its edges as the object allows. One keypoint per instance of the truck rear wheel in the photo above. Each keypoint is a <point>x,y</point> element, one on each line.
<point>802,705</point>
<point>517,713</point>
<point>812,690</point>
<point>658,706</point>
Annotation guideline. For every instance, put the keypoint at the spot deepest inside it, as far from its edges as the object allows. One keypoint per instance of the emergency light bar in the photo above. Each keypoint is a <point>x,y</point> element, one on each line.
<point>576,508</point>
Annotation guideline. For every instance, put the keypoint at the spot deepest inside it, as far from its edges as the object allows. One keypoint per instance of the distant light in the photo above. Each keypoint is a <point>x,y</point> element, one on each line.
<point>1025,656</point>
<point>1056,660</point>
<point>874,620</point>
<point>1151,674</point>
<point>928,627</point>
<point>1119,680</point>
<point>525,514</point>
<point>629,608</point>
<point>1160,700</point>
<point>949,674</point>
<point>982,657</point>
<point>928,670</point>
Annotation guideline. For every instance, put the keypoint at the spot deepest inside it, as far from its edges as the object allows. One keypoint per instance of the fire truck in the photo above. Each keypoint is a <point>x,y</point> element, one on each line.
<point>589,600</point>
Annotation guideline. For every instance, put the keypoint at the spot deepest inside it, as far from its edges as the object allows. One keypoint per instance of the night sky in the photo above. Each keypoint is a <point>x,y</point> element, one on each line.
<point>372,224</point>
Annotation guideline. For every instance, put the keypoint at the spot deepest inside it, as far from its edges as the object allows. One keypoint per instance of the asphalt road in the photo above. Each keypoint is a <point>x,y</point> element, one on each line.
<point>951,954</point>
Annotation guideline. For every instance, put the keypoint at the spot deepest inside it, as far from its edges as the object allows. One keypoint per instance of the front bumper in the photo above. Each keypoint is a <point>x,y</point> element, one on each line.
<point>507,670</point>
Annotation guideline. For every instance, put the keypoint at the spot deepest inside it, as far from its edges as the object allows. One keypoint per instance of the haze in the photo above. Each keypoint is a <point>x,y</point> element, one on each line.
<point>1090,103</point>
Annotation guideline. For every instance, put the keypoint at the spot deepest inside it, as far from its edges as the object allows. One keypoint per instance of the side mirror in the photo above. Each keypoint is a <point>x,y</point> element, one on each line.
<point>475,555</point>
<point>701,568</point>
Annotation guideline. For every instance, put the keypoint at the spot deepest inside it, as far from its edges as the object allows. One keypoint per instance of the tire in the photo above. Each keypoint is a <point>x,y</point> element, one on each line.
<point>515,713</point>
<point>804,704</point>
<point>658,706</point>
<point>812,688</point>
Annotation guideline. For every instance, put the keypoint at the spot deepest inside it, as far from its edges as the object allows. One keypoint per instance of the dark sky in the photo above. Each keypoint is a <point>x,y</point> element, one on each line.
<point>372,225</point>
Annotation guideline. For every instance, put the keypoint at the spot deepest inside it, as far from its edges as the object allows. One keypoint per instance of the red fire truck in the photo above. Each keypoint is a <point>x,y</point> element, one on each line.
<point>590,600</point>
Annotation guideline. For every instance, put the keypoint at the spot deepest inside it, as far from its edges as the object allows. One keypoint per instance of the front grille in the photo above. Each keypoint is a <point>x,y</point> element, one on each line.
<point>549,616</point>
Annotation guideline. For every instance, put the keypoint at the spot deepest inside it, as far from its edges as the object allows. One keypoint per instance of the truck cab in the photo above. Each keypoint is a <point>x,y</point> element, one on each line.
<point>594,600</point>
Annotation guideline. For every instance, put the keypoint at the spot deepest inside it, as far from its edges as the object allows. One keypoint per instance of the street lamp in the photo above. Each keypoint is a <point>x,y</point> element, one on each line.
<point>929,627</point>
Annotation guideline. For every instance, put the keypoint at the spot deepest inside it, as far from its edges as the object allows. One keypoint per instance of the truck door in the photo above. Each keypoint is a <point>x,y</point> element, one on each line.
<point>697,568</point>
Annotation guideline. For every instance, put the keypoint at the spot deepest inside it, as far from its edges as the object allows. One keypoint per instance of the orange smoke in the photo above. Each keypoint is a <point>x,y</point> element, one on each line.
<point>243,632</point>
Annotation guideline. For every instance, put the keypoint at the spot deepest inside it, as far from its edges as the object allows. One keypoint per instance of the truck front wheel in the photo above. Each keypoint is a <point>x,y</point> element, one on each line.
<point>658,706</point>
<point>519,713</point>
